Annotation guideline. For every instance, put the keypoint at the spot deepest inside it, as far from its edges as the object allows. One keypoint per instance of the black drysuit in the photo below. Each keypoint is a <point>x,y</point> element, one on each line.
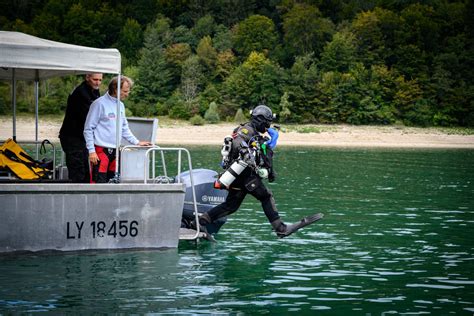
<point>248,182</point>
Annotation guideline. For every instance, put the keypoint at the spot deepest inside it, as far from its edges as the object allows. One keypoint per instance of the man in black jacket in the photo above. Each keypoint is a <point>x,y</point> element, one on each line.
<point>71,133</point>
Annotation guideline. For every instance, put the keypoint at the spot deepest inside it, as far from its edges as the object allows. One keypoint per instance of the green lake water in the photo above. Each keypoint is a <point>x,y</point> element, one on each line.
<point>397,238</point>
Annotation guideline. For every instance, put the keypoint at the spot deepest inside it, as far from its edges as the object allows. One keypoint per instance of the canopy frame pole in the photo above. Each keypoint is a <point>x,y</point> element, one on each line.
<point>14,103</point>
<point>118,130</point>
<point>37,112</point>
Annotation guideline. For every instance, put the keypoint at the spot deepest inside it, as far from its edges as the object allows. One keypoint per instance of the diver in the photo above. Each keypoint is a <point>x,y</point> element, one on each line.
<point>248,159</point>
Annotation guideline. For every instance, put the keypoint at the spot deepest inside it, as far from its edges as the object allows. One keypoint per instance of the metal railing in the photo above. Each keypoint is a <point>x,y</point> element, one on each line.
<point>179,163</point>
<point>149,175</point>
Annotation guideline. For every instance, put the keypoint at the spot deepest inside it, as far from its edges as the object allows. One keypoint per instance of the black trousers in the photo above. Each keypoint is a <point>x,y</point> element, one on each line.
<point>238,192</point>
<point>77,159</point>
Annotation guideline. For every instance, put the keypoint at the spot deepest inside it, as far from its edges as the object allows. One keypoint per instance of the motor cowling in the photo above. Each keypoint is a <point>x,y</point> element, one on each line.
<point>206,197</point>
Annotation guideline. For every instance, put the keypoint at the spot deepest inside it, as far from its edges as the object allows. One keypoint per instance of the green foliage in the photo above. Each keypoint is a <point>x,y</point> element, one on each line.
<point>178,108</point>
<point>143,109</point>
<point>339,54</point>
<point>161,108</point>
<point>240,117</point>
<point>207,55</point>
<point>327,61</point>
<point>285,106</point>
<point>222,38</point>
<point>303,78</point>
<point>210,94</point>
<point>212,115</point>
<point>224,64</point>
<point>360,96</point>
<point>4,107</point>
<point>155,78</point>
<point>192,78</point>
<point>175,57</point>
<point>197,120</point>
<point>306,31</point>
<point>254,34</point>
<point>53,94</point>
<point>205,26</point>
<point>375,32</point>
<point>257,80</point>
<point>130,40</point>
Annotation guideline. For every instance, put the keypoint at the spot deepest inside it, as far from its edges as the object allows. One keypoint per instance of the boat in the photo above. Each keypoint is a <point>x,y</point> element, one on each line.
<point>141,209</point>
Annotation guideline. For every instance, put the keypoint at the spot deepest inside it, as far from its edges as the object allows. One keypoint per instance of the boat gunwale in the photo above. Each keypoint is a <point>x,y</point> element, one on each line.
<point>38,188</point>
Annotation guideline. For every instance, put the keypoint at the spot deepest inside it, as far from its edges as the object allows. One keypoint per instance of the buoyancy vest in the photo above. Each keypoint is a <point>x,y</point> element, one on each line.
<point>247,134</point>
<point>16,160</point>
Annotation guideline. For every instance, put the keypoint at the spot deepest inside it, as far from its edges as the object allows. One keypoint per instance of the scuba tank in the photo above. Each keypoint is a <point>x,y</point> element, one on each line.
<point>230,174</point>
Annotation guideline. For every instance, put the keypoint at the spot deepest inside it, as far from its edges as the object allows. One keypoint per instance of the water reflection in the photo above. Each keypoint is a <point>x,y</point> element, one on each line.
<point>396,238</point>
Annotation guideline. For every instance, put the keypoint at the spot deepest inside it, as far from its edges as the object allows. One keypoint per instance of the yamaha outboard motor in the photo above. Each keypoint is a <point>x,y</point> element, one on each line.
<point>206,197</point>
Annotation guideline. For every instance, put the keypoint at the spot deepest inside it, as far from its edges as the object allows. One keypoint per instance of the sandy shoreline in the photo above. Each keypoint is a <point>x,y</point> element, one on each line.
<point>318,135</point>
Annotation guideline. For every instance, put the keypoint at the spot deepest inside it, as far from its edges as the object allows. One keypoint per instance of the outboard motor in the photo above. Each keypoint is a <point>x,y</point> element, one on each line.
<point>206,197</point>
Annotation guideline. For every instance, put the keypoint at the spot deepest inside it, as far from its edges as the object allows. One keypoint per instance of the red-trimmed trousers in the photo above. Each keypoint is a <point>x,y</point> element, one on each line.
<point>105,169</point>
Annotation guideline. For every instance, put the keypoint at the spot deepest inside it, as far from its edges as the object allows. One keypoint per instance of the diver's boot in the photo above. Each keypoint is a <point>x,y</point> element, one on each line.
<point>204,219</point>
<point>283,230</point>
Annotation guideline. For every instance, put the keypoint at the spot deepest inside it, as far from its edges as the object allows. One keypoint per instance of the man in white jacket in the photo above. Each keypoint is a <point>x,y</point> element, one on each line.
<point>100,130</point>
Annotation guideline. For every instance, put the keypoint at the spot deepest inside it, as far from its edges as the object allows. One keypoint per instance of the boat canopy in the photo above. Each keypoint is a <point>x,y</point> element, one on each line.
<point>26,57</point>
<point>34,58</point>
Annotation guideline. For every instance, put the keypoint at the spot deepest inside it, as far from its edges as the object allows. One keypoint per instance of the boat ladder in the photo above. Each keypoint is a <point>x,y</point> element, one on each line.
<point>184,233</point>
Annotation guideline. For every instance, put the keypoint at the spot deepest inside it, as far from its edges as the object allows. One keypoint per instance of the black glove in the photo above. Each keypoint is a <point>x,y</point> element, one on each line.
<point>271,175</point>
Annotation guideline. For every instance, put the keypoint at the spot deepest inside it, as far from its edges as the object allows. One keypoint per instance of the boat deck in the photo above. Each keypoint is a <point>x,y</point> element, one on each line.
<point>190,234</point>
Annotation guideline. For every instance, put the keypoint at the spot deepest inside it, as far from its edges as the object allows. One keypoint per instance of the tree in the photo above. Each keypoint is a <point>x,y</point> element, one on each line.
<point>301,86</point>
<point>182,34</point>
<point>305,30</point>
<point>224,64</point>
<point>420,27</point>
<point>82,25</point>
<point>223,38</point>
<point>239,117</point>
<point>254,34</point>
<point>176,55</point>
<point>205,26</point>
<point>48,25</point>
<point>412,108</point>
<point>231,12</point>
<point>207,55</point>
<point>285,106</point>
<point>339,54</point>
<point>212,116</point>
<point>375,32</point>
<point>155,80</point>
<point>130,40</point>
<point>360,96</point>
<point>257,80</point>
<point>110,23</point>
<point>191,78</point>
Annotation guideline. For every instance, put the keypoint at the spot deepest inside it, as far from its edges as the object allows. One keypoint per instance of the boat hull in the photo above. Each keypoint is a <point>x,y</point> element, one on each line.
<point>67,217</point>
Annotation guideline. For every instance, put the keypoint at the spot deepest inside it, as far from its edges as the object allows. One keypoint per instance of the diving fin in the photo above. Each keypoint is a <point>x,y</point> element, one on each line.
<point>284,230</point>
<point>208,236</point>
<point>203,221</point>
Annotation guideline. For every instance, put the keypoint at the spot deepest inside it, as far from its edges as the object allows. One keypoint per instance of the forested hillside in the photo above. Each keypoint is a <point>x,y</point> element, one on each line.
<point>321,61</point>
